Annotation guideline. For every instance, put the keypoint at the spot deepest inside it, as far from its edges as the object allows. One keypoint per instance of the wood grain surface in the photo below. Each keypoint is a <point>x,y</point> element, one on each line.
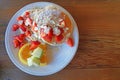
<point>98,54</point>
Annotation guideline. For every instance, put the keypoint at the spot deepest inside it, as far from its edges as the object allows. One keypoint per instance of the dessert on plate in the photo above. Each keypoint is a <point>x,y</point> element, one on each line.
<point>38,28</point>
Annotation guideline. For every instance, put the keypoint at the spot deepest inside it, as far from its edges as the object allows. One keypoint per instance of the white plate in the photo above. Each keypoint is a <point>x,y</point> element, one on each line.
<point>59,57</point>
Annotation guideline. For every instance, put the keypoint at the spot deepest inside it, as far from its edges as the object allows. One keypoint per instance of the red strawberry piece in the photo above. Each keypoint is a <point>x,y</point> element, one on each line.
<point>70,42</point>
<point>47,38</point>
<point>19,39</point>
<point>16,43</point>
<point>50,33</point>
<point>20,18</point>
<point>28,33</point>
<point>23,28</point>
<point>59,38</point>
<point>21,44</point>
<point>15,27</point>
<point>27,14</point>
<point>34,44</point>
<point>22,35</point>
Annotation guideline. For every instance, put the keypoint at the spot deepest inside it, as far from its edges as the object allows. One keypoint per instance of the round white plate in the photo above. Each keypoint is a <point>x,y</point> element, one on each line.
<point>59,57</point>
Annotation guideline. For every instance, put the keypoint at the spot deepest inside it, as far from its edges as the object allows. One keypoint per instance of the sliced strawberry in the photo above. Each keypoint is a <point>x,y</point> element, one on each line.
<point>27,14</point>
<point>23,28</point>
<point>28,33</point>
<point>34,44</point>
<point>21,44</point>
<point>15,27</point>
<point>47,38</point>
<point>16,43</point>
<point>20,18</point>
<point>50,34</point>
<point>19,39</point>
<point>70,42</point>
<point>22,35</point>
<point>59,38</point>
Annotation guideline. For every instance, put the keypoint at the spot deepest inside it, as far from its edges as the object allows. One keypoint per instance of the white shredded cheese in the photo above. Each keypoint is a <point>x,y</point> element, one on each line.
<point>27,22</point>
<point>56,31</point>
<point>47,30</point>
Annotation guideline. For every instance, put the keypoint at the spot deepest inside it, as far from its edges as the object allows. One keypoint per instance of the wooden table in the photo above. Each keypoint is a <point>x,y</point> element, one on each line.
<point>98,55</point>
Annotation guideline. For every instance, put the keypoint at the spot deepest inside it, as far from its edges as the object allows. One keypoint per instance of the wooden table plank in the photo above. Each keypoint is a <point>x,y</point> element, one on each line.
<point>73,74</point>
